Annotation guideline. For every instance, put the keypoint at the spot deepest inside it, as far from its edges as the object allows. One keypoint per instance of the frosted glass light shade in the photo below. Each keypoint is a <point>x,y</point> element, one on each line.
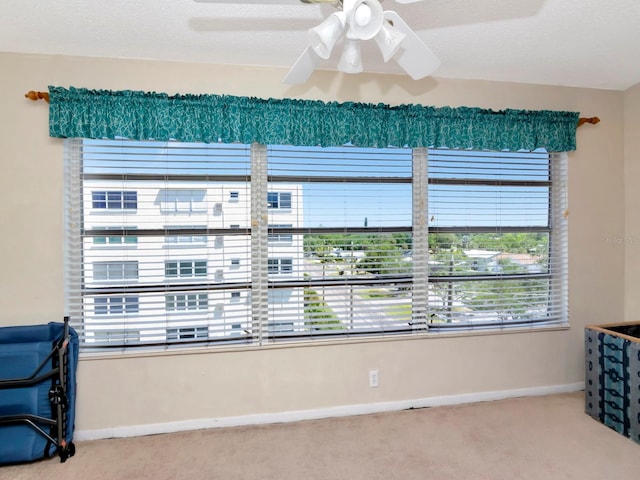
<point>351,60</point>
<point>323,37</point>
<point>365,19</point>
<point>389,40</point>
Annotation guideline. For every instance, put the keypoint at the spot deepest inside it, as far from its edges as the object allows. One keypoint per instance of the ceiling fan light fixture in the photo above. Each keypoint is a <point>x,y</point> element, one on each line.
<point>351,60</point>
<point>323,37</point>
<point>389,40</point>
<point>365,19</point>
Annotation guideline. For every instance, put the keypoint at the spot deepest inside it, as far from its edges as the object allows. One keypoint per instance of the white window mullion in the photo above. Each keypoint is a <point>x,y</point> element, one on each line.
<point>420,242</point>
<point>259,242</point>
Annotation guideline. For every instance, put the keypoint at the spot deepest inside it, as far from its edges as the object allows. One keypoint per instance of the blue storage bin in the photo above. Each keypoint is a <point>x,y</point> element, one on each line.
<point>612,376</point>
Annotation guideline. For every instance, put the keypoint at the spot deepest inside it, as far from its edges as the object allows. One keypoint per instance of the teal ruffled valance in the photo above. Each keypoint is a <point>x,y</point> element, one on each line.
<point>79,112</point>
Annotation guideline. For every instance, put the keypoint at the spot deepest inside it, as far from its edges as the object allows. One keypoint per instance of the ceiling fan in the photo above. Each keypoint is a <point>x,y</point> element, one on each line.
<point>357,21</point>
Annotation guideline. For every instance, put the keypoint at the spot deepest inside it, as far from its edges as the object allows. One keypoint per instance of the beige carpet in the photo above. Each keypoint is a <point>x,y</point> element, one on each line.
<point>541,438</point>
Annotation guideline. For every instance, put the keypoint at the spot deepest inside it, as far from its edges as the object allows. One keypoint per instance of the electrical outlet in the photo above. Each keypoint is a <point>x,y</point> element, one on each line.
<point>373,378</point>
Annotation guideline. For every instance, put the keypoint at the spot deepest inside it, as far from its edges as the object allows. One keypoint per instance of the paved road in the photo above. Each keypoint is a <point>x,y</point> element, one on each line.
<point>357,312</point>
<point>353,310</point>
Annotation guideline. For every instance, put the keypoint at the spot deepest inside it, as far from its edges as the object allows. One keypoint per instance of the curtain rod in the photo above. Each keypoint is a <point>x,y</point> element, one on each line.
<point>35,96</point>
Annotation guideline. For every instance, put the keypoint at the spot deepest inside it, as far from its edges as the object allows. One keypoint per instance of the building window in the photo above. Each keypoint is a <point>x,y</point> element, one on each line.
<point>384,240</point>
<point>115,337</point>
<point>187,333</point>
<point>276,328</point>
<point>181,235</point>
<point>119,237</point>
<point>114,200</point>
<point>280,266</point>
<point>187,302</point>
<point>115,270</point>
<point>278,237</point>
<point>183,201</point>
<point>116,305</point>
<point>234,196</point>
<point>281,200</point>
<point>185,268</point>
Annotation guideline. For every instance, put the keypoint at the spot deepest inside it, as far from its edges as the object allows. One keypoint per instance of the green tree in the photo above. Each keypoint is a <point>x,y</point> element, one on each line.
<point>505,298</point>
<point>403,240</point>
<point>318,315</point>
<point>384,257</point>
<point>444,242</point>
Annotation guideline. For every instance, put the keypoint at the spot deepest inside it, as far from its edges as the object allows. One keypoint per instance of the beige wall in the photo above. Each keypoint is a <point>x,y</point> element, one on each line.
<point>632,202</point>
<point>140,390</point>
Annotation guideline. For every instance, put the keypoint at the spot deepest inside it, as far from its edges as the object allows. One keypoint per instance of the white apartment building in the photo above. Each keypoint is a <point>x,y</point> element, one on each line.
<point>178,264</point>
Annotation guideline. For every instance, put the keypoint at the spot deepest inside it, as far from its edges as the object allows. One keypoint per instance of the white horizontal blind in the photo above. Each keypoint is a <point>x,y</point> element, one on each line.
<point>339,241</point>
<point>173,243</point>
<point>158,241</point>
<point>497,239</point>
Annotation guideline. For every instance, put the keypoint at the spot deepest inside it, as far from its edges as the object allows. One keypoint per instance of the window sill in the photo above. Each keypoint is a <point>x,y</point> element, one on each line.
<point>317,342</point>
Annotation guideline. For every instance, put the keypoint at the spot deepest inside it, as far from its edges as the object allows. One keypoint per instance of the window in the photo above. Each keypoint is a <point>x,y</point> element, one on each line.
<point>187,302</point>
<point>183,201</point>
<point>234,196</point>
<point>349,242</point>
<point>115,270</point>
<point>280,266</point>
<point>187,237</point>
<point>115,337</point>
<point>115,305</point>
<point>187,333</point>
<point>185,268</point>
<point>492,257</point>
<point>120,236</point>
<point>280,200</point>
<point>114,200</point>
<point>285,238</point>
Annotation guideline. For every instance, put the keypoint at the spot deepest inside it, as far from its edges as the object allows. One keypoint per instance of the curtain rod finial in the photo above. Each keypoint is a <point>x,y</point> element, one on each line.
<point>37,96</point>
<point>591,120</point>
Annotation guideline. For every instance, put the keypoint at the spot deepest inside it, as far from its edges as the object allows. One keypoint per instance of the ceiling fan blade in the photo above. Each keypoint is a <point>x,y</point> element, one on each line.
<point>303,68</point>
<point>413,55</point>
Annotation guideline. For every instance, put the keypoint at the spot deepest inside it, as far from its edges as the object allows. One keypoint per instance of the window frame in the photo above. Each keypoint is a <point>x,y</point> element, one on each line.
<point>186,268</point>
<point>105,306</point>
<point>265,235</point>
<point>191,302</point>
<point>113,203</point>
<point>277,200</point>
<point>182,200</point>
<point>116,270</point>
<point>280,265</point>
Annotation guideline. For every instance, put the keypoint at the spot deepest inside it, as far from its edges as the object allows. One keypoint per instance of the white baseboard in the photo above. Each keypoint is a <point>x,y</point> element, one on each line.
<point>341,411</point>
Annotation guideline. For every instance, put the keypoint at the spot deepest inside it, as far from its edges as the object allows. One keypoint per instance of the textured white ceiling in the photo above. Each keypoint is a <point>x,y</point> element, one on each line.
<point>583,43</point>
